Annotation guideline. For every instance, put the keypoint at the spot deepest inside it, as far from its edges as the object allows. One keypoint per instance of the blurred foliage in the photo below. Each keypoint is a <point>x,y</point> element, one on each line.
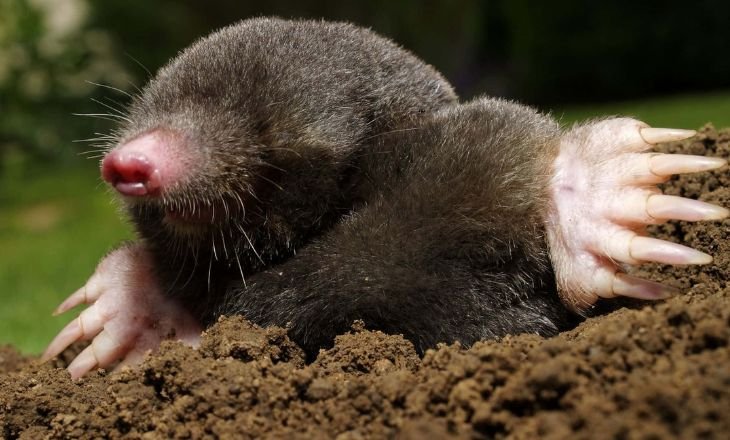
<point>685,110</point>
<point>49,57</point>
<point>545,53</point>
<point>572,50</point>
<point>55,225</point>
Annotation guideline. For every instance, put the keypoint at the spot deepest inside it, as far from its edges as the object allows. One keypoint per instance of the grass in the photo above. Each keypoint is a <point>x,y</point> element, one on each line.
<point>681,111</point>
<point>56,223</point>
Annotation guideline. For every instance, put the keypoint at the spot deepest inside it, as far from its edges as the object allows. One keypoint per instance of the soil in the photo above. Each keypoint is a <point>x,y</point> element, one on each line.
<point>658,371</point>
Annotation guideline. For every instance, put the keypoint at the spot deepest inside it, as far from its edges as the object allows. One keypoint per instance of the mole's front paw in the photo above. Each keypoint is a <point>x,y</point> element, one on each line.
<point>603,194</point>
<point>128,315</point>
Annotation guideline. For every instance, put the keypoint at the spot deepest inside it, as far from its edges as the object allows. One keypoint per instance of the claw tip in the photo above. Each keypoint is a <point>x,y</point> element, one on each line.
<point>707,259</point>
<point>653,135</point>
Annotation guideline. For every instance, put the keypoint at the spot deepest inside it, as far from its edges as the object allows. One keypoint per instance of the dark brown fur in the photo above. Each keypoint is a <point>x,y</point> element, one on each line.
<point>450,247</point>
<point>349,184</point>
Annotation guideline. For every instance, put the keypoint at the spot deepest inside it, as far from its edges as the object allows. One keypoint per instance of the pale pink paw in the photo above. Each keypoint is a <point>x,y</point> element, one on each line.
<point>603,195</point>
<point>128,314</point>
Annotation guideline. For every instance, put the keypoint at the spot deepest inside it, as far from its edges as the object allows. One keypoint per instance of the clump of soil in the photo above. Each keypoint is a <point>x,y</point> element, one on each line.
<point>659,371</point>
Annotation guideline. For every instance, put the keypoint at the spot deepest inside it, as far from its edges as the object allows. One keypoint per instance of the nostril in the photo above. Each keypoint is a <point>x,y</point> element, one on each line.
<point>147,165</point>
<point>130,173</point>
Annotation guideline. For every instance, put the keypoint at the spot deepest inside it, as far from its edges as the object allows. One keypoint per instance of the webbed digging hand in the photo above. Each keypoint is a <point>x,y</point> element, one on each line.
<point>128,314</point>
<point>604,194</point>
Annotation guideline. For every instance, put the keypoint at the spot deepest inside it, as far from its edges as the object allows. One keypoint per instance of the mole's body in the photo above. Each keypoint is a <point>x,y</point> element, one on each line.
<point>446,244</point>
<point>308,174</point>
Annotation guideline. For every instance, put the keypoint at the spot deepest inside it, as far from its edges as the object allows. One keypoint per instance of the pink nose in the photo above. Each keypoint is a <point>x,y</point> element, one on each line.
<point>131,173</point>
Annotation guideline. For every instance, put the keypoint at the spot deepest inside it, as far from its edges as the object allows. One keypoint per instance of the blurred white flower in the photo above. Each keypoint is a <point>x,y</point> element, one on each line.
<point>62,19</point>
<point>47,48</point>
<point>49,55</point>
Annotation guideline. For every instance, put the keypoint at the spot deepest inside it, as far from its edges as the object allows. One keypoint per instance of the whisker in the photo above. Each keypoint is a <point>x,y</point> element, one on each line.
<point>117,112</point>
<point>195,265</point>
<point>136,87</point>
<point>210,268</point>
<point>92,140</point>
<point>252,194</point>
<point>119,105</point>
<point>266,164</point>
<point>215,252</point>
<point>225,208</point>
<point>269,180</point>
<point>240,269</point>
<point>106,86</point>
<point>250,243</point>
<point>96,148</point>
<point>149,74</point>
<point>110,115</point>
<point>182,265</point>
<point>104,116</point>
<point>223,243</point>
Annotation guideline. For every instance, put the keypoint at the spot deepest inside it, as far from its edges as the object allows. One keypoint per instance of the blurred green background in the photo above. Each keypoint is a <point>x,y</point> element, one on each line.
<point>663,61</point>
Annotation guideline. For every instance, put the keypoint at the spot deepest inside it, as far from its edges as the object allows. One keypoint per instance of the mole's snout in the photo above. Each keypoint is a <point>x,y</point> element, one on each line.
<point>143,166</point>
<point>130,173</point>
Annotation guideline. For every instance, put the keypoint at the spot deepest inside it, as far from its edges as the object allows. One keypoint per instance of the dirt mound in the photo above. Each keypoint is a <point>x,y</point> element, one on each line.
<point>661,371</point>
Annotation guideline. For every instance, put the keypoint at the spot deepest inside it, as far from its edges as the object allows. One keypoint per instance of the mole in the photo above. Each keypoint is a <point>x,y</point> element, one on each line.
<point>308,174</point>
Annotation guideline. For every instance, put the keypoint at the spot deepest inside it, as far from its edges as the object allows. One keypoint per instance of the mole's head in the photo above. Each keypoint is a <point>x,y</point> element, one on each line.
<point>252,129</point>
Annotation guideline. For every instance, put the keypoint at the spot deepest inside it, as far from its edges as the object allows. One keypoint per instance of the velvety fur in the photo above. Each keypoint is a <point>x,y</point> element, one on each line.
<point>349,184</point>
<point>449,248</point>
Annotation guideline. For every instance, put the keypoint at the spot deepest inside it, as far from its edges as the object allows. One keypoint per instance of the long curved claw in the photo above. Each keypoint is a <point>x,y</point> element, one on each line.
<point>668,164</point>
<point>129,314</point>
<point>86,326</point>
<point>627,285</point>
<point>664,207</point>
<point>76,298</point>
<point>655,136</point>
<point>660,251</point>
<point>83,363</point>
<point>87,294</point>
<point>70,334</point>
<point>649,206</point>
<point>651,168</point>
<point>628,247</point>
<point>604,195</point>
<point>103,351</point>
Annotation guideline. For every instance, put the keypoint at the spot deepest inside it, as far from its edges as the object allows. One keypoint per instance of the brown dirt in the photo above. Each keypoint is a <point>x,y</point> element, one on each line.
<point>657,372</point>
